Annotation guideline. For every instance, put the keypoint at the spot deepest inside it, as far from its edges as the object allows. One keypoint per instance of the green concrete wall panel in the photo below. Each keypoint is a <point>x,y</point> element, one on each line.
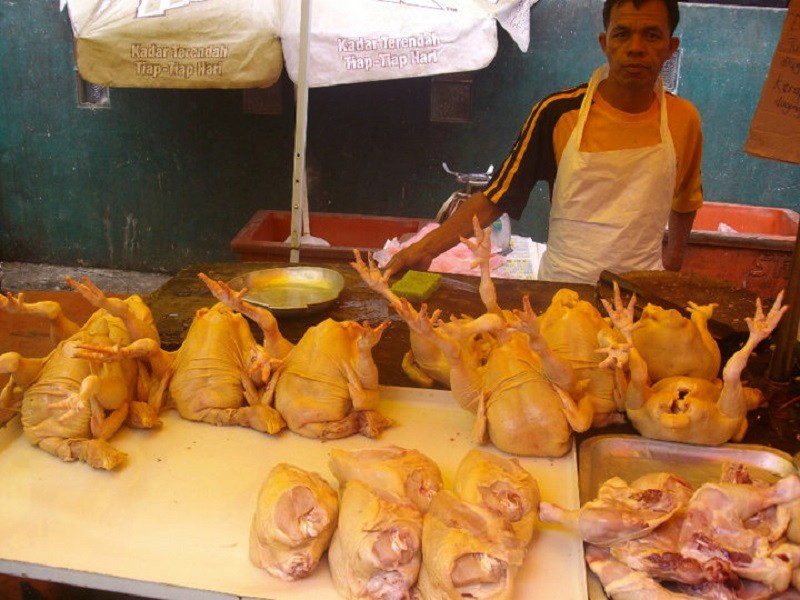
<point>167,177</point>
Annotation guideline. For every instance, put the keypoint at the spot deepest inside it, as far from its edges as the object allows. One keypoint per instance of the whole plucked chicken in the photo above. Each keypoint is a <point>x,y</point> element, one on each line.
<point>71,406</point>
<point>672,345</point>
<point>327,386</point>
<point>219,373</point>
<point>693,409</point>
<point>575,330</point>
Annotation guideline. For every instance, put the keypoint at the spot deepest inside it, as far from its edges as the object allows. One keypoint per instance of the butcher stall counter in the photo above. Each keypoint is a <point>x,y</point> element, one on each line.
<point>175,302</point>
<point>173,521</point>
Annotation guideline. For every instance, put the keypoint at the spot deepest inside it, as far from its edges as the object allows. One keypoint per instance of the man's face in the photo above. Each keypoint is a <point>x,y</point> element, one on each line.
<point>637,43</point>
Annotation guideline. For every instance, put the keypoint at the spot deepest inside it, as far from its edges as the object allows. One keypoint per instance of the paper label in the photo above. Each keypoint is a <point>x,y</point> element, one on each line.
<point>775,129</point>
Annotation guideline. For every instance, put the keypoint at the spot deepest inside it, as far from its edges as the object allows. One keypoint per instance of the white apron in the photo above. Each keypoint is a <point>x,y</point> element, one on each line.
<point>609,209</point>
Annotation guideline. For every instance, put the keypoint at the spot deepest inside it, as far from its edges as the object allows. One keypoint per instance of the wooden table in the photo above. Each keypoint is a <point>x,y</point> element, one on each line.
<point>174,304</point>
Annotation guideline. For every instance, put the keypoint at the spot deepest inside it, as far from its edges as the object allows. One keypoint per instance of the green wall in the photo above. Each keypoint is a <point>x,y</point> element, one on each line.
<point>167,177</point>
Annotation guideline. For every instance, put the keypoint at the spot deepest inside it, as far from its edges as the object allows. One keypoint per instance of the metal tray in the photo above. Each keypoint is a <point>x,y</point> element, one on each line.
<point>631,456</point>
<point>291,291</point>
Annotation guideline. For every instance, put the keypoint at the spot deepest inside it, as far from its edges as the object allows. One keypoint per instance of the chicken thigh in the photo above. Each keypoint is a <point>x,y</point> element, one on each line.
<point>501,485</point>
<point>375,551</point>
<point>296,515</point>
<point>405,472</point>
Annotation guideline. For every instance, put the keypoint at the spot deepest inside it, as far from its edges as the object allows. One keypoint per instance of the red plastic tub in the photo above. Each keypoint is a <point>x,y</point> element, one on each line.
<point>750,246</point>
<point>264,237</point>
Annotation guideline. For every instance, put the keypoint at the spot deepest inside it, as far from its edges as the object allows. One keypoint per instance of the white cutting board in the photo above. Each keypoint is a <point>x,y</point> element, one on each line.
<point>174,520</point>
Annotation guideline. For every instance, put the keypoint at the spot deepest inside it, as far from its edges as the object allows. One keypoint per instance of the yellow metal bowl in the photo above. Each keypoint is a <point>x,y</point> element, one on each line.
<point>291,291</point>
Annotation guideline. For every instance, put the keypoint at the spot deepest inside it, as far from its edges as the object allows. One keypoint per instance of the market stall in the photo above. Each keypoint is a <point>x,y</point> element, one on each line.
<point>185,533</point>
<point>173,521</point>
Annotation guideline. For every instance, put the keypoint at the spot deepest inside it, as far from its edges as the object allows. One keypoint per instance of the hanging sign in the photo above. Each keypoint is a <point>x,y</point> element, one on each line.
<point>177,43</point>
<point>775,129</point>
<point>368,40</point>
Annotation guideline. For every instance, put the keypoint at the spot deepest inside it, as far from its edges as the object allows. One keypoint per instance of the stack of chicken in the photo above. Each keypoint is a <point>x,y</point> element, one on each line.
<point>398,533</point>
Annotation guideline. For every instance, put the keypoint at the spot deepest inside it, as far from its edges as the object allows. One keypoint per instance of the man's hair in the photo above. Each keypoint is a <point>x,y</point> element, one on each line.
<point>673,14</point>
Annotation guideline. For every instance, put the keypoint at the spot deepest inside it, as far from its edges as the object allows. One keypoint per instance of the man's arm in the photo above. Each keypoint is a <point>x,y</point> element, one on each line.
<point>680,225</point>
<point>420,254</point>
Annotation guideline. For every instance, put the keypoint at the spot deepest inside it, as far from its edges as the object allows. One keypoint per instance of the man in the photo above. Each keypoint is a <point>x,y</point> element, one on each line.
<point>621,156</point>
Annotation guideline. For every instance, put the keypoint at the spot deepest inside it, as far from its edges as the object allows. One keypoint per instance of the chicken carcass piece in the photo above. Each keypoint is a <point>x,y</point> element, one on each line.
<point>219,373</point>
<point>296,515</point>
<point>375,550</point>
<point>71,406</point>
<point>405,472</point>
<point>468,551</point>
<point>327,386</point>
<point>621,582</point>
<point>424,363</point>
<point>695,410</point>
<point>503,486</point>
<point>715,529</point>
<point>575,330</point>
<point>622,511</point>
<point>657,554</point>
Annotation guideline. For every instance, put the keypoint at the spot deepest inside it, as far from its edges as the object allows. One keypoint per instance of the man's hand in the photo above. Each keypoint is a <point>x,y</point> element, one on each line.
<point>411,257</point>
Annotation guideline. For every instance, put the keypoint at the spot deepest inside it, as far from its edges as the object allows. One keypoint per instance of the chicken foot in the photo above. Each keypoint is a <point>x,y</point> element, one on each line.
<point>277,345</point>
<point>465,378</point>
<point>96,452</point>
<point>61,327</point>
<point>760,327</point>
<point>481,247</point>
<point>132,311</point>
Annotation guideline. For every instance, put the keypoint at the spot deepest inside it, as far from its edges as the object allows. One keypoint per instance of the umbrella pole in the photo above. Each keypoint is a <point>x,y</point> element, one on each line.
<point>299,192</point>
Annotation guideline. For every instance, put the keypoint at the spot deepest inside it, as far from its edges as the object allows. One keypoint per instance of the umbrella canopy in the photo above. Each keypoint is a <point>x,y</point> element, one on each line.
<point>243,43</point>
<point>177,43</point>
